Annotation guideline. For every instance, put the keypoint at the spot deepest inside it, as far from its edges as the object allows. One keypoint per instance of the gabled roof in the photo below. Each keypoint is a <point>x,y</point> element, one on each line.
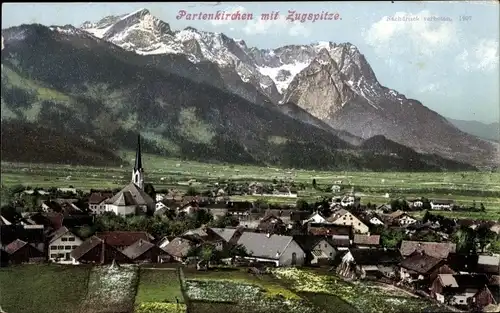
<point>307,242</point>
<point>99,197</point>
<point>60,232</point>
<point>123,238</point>
<point>336,215</point>
<point>131,194</point>
<point>438,250</point>
<point>440,201</point>
<point>370,240</point>
<point>420,263</point>
<point>178,247</point>
<point>264,246</point>
<point>137,249</point>
<point>375,256</point>
<point>225,233</point>
<point>463,281</point>
<point>85,247</point>
<point>322,229</point>
<point>15,246</point>
<point>4,221</point>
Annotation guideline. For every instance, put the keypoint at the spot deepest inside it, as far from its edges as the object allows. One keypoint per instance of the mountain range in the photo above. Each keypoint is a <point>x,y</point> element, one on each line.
<point>489,131</point>
<point>206,96</point>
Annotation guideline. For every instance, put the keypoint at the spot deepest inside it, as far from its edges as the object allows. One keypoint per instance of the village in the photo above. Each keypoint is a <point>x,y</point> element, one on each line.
<point>454,262</point>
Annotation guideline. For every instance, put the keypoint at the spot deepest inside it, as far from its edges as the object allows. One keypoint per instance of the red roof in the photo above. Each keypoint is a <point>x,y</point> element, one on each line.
<point>123,238</point>
<point>98,197</point>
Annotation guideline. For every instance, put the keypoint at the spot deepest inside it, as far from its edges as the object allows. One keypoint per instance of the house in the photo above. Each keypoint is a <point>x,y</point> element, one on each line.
<point>145,252</point>
<point>420,267</point>
<point>344,217</point>
<point>96,250</point>
<point>206,235</point>
<point>375,220</point>
<point>487,295</point>
<point>401,218</point>
<point>441,204</point>
<point>97,202</point>
<point>336,188</point>
<point>319,251</point>
<point>280,250</point>
<point>20,251</point>
<point>438,250</point>
<point>316,217</point>
<point>32,234</point>
<point>159,206</point>
<point>123,239</point>
<point>460,288</point>
<point>163,242</point>
<point>229,235</point>
<point>488,264</point>
<point>349,200</point>
<point>383,208</point>
<point>360,263</point>
<point>218,213</point>
<point>366,241</point>
<point>130,200</point>
<point>61,243</point>
<point>179,247</point>
<point>415,203</point>
<point>271,224</point>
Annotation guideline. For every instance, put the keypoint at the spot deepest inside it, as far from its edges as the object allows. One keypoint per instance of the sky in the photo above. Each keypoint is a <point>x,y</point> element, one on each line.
<point>450,63</point>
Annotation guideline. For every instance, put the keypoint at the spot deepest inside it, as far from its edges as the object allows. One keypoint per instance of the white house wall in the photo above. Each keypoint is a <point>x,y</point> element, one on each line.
<point>62,246</point>
<point>286,257</point>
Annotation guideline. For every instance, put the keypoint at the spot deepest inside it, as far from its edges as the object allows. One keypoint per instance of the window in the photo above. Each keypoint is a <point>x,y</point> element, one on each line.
<point>53,247</point>
<point>74,247</point>
<point>331,254</point>
<point>60,247</point>
<point>64,239</point>
<point>325,245</point>
<point>344,217</point>
<point>71,239</point>
<point>53,256</point>
<point>60,255</point>
<point>67,247</point>
<point>359,224</point>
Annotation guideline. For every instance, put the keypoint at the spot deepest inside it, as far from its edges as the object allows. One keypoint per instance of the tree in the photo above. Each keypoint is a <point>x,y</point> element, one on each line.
<point>225,221</point>
<point>481,207</point>
<point>261,204</point>
<point>314,183</point>
<point>191,191</point>
<point>390,238</point>
<point>484,236</point>
<point>426,204</point>
<point>302,205</point>
<point>465,239</point>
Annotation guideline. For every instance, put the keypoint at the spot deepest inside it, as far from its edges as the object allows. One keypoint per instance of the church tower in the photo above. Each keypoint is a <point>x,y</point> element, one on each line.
<point>138,172</point>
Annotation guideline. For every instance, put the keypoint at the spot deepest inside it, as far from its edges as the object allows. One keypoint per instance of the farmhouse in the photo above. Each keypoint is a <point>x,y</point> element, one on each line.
<point>281,250</point>
<point>344,217</point>
<point>420,266</point>
<point>123,239</point>
<point>62,242</point>
<point>179,247</point>
<point>401,218</point>
<point>96,250</point>
<point>461,288</point>
<point>20,251</point>
<point>360,263</point>
<point>97,202</point>
<point>366,241</point>
<point>145,252</point>
<point>316,217</point>
<point>441,204</point>
<point>415,203</point>
<point>318,250</point>
<point>439,250</point>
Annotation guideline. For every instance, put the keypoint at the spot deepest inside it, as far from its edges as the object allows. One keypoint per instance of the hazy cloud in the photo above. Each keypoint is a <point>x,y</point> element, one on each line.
<point>482,57</point>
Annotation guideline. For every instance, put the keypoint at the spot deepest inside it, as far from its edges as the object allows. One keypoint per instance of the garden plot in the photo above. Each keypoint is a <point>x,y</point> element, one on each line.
<point>158,292</point>
<point>242,297</point>
<point>365,298</point>
<point>111,289</point>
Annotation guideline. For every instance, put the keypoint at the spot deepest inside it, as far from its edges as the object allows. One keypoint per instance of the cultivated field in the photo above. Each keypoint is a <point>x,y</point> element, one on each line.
<point>127,289</point>
<point>463,187</point>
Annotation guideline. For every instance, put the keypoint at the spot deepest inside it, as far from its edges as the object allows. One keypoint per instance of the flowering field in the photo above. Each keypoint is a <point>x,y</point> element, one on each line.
<point>237,296</point>
<point>111,289</point>
<point>364,297</point>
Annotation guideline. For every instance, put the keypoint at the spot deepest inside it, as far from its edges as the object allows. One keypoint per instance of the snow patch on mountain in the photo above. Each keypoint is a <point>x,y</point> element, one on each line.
<point>277,74</point>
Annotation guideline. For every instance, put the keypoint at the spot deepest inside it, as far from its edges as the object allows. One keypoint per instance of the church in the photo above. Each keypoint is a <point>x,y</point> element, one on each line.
<point>132,199</point>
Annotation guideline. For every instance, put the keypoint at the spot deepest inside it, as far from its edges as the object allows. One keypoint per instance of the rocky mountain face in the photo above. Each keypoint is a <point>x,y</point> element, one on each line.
<point>333,84</point>
<point>94,96</point>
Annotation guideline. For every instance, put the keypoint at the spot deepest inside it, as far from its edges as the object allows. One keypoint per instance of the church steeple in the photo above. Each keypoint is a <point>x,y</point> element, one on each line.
<point>138,172</point>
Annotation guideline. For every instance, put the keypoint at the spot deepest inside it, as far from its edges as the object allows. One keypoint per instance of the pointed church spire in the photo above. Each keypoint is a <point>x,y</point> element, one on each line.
<point>138,172</point>
<point>138,158</point>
